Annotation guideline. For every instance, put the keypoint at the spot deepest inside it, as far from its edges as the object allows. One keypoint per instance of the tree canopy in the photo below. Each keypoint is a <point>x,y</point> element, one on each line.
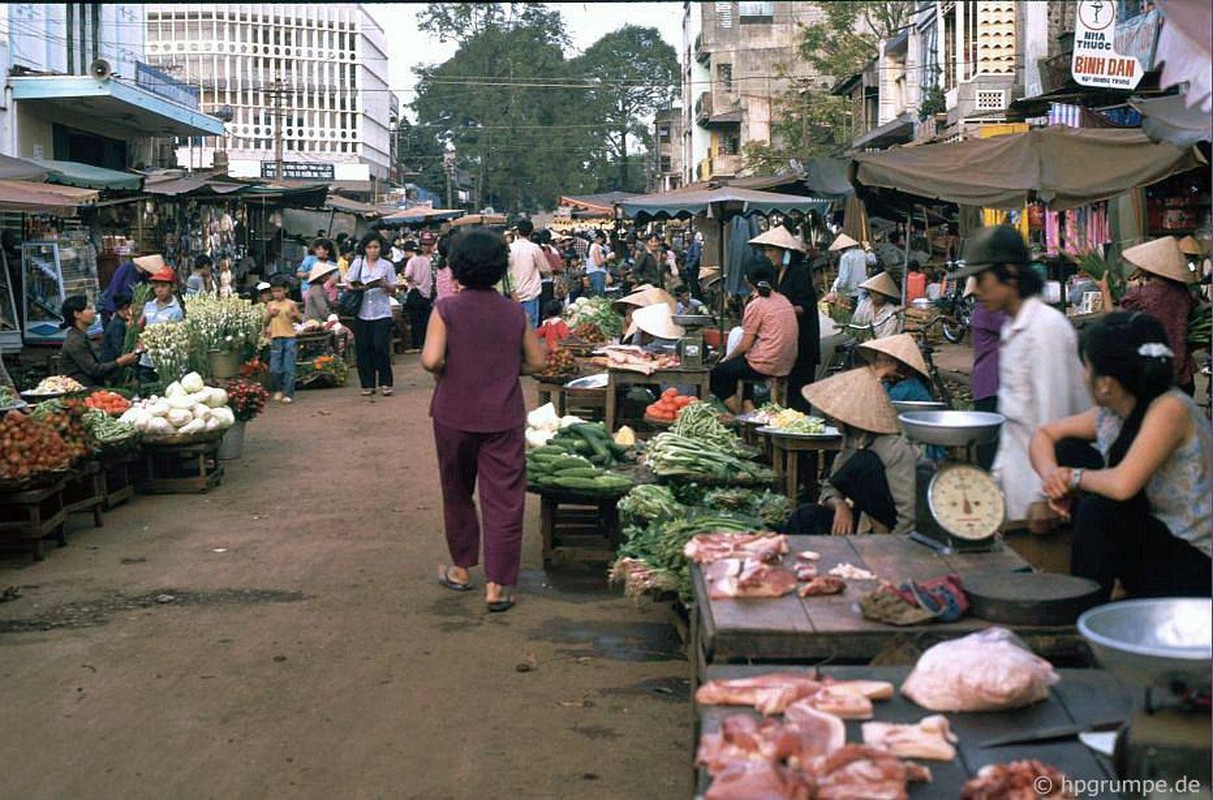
<point>526,122</point>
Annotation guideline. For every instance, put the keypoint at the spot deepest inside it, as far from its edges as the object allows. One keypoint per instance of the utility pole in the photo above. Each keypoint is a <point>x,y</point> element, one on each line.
<point>277,92</point>
<point>448,166</point>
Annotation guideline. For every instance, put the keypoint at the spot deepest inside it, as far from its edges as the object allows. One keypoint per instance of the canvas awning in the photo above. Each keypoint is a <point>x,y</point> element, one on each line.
<point>420,215</point>
<point>17,195</point>
<point>21,170</point>
<point>479,219</point>
<point>192,185</point>
<point>715,201</point>
<point>338,203</point>
<point>86,176</point>
<point>1064,167</point>
<point>601,204</point>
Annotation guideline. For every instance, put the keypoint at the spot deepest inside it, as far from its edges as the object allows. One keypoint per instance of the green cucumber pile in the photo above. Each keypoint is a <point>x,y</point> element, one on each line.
<point>578,458</point>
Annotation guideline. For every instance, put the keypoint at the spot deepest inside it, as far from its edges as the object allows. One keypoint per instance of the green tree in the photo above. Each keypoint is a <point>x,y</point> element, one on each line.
<point>811,121</point>
<point>629,74</point>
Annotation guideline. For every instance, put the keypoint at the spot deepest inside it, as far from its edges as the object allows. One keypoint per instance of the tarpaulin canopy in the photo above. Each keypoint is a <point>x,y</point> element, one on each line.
<point>601,204</point>
<point>73,173</point>
<point>1065,167</point>
<point>21,170</point>
<point>193,185</point>
<point>720,201</point>
<point>420,215</point>
<point>338,203</point>
<point>479,219</point>
<point>18,195</point>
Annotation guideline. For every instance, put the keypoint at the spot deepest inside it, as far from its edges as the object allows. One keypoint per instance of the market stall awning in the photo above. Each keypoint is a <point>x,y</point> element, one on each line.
<point>718,201</point>
<point>479,219</point>
<point>419,215</point>
<point>602,204</point>
<point>86,176</point>
<point>336,202</point>
<point>21,170</point>
<point>17,195</point>
<point>313,196</point>
<point>193,185</point>
<point>1064,167</point>
<point>114,102</point>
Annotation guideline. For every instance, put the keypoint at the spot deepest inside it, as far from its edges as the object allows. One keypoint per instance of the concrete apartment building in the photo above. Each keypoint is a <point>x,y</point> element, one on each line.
<point>78,88</point>
<point>667,150</point>
<point>316,70</point>
<point>731,60</point>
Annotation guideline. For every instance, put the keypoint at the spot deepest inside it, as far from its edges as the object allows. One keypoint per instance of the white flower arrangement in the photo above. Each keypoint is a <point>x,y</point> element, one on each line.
<point>229,324</point>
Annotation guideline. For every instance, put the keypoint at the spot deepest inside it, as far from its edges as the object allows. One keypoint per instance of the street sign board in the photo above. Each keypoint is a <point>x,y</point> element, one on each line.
<point>298,170</point>
<point>1095,61</point>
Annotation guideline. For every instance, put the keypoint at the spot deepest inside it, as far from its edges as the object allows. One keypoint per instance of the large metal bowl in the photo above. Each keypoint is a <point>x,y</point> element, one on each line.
<point>694,320</point>
<point>903,406</point>
<point>951,428</point>
<point>1154,641</point>
<point>597,381</point>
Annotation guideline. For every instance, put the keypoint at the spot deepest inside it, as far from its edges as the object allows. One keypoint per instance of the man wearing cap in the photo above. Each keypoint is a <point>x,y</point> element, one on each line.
<point>1040,375</point>
<point>528,265</point>
<point>852,268</point>
<point>1159,282</point>
<point>879,309</point>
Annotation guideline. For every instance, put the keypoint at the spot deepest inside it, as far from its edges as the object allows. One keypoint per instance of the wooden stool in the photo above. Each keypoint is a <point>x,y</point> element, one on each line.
<point>85,492</point>
<point>777,386</point>
<point>32,514</point>
<point>576,526</point>
<point>119,475</point>
<point>176,468</point>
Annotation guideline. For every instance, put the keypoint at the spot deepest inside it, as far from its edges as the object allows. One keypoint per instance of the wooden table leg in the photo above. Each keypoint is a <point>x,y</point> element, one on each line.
<point>547,521</point>
<point>792,470</point>
<point>610,403</point>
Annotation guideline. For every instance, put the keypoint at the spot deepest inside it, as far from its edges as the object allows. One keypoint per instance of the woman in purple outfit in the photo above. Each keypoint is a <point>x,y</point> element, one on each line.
<point>986,328</point>
<point>477,344</point>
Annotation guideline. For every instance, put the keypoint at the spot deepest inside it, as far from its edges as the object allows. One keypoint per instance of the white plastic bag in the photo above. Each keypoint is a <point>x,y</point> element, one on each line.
<point>991,670</point>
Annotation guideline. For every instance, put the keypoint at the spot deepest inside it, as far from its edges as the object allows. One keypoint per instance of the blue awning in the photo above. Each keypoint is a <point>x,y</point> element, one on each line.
<point>87,176</point>
<point>116,102</point>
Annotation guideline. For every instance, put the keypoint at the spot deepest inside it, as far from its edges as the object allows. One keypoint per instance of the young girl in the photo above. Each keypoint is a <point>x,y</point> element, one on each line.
<point>554,329</point>
<point>226,289</point>
<point>1142,508</point>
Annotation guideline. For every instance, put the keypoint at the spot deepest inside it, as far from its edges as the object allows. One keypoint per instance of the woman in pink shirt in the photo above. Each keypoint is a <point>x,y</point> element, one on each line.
<point>769,342</point>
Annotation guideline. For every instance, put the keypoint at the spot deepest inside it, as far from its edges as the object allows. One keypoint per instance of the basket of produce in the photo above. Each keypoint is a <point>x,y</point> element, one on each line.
<point>111,434</point>
<point>10,400</point>
<point>54,387</point>
<point>559,366</point>
<point>108,402</point>
<point>593,320</point>
<point>66,417</point>
<point>34,452</point>
<point>189,413</point>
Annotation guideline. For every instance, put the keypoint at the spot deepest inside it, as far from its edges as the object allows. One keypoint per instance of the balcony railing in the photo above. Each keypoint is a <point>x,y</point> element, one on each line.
<point>165,85</point>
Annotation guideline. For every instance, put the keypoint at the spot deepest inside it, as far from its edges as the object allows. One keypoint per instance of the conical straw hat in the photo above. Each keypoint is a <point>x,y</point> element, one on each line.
<point>150,264</point>
<point>854,398</point>
<point>1161,257</point>
<point>646,297</point>
<point>843,241</point>
<point>655,320</point>
<point>1189,245</point>
<point>882,283</point>
<point>320,269</point>
<point>901,347</point>
<point>778,236</point>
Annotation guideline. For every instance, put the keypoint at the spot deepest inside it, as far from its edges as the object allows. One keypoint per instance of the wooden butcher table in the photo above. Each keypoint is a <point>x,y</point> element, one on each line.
<point>791,629</point>
<point>1082,696</point>
<point>678,376</point>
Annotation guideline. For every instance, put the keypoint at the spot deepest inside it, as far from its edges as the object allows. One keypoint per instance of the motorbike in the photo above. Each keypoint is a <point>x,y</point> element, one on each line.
<point>956,309</point>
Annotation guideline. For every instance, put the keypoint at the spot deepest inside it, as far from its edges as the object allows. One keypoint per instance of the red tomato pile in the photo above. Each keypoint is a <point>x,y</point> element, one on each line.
<point>111,403</point>
<point>671,403</point>
<point>29,447</point>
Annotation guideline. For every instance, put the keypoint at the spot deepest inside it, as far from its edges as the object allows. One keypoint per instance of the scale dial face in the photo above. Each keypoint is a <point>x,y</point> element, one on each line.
<point>966,502</point>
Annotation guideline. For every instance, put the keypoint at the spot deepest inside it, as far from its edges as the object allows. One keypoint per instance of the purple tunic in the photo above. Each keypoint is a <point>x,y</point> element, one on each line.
<point>985,326</point>
<point>478,391</point>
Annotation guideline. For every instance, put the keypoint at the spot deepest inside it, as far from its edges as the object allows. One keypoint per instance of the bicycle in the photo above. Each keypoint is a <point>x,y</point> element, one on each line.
<point>956,310</point>
<point>846,355</point>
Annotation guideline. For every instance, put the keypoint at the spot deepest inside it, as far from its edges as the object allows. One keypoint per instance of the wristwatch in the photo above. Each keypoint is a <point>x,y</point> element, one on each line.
<point>1075,479</point>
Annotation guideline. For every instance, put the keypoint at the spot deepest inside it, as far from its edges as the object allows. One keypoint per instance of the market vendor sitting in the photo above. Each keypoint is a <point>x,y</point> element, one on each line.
<point>880,308</point>
<point>644,295</point>
<point>768,346</point>
<point>874,474</point>
<point>78,358</point>
<point>316,299</point>
<point>653,329</point>
<point>554,329</point>
<point>899,365</point>
<point>685,303</point>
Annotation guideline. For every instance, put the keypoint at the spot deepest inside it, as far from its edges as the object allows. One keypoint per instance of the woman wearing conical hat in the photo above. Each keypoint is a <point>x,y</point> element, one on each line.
<point>873,475</point>
<point>794,280</point>
<point>1159,280</point>
<point>880,309</point>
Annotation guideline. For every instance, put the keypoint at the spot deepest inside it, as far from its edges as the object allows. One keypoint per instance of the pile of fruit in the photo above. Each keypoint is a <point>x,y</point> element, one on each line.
<point>111,403</point>
<point>29,447</point>
<point>67,418</point>
<point>589,333</point>
<point>560,364</point>
<point>669,406</point>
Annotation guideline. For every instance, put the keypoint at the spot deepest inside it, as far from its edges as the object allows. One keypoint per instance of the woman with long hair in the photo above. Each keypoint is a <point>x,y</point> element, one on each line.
<point>373,325</point>
<point>477,344</point>
<point>79,358</point>
<point>1142,506</point>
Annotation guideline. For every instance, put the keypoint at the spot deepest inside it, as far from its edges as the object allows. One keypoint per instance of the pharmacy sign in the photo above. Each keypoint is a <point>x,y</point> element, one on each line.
<point>1095,61</point>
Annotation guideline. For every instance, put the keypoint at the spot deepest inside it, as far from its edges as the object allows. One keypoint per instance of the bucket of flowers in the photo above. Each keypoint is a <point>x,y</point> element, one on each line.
<point>223,332</point>
<point>246,399</point>
<point>324,372</point>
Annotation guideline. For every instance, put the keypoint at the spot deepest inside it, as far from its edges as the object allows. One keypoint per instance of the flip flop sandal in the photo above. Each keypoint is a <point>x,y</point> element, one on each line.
<point>499,606</point>
<point>367,392</point>
<point>444,578</point>
<point>387,391</point>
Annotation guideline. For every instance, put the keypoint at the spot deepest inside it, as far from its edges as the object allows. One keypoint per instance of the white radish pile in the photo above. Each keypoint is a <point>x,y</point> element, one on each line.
<point>189,406</point>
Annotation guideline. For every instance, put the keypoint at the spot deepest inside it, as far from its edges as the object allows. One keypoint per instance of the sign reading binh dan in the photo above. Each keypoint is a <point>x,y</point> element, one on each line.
<point>1095,61</point>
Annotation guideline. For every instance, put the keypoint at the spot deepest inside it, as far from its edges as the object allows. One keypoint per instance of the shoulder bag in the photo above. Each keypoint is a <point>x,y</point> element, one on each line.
<point>349,302</point>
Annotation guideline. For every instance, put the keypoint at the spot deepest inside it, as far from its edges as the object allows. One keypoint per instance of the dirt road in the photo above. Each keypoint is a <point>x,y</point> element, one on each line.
<point>284,636</point>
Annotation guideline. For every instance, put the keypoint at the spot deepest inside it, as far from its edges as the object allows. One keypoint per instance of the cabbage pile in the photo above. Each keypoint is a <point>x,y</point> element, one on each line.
<point>188,407</point>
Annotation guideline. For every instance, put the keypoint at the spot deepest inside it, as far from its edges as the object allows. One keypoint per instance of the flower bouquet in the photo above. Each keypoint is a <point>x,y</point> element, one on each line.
<point>168,345</point>
<point>246,399</point>
<point>225,325</point>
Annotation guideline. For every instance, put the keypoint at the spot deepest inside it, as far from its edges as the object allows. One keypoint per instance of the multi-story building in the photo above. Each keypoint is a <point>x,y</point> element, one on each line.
<point>667,150</point>
<point>306,84</point>
<point>738,58</point>
<point>79,90</point>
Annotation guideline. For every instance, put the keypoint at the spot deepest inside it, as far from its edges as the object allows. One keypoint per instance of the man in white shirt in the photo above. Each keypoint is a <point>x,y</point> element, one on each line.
<point>852,269</point>
<point>596,264</point>
<point>528,266</point>
<point>1040,375</point>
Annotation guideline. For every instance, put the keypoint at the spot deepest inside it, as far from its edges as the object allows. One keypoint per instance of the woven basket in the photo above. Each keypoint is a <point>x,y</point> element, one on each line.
<point>918,318</point>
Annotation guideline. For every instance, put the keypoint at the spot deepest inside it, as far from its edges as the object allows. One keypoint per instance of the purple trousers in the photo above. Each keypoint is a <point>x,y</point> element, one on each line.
<point>498,462</point>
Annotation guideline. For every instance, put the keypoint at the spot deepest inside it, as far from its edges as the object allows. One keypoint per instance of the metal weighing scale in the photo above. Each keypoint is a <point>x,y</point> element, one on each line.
<point>959,506</point>
<point>690,348</point>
